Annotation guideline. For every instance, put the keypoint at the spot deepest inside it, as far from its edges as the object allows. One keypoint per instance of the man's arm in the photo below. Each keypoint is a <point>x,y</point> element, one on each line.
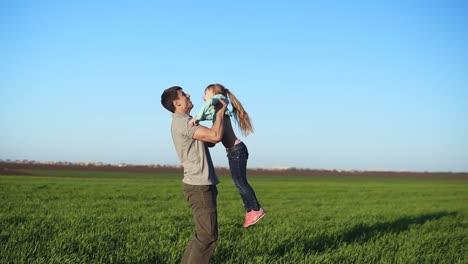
<point>215,133</point>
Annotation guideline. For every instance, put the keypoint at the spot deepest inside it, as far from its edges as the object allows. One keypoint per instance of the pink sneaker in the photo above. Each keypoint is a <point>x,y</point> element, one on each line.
<point>252,217</point>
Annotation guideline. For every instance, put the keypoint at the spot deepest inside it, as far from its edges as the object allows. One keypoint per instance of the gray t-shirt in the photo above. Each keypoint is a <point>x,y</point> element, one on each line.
<point>193,154</point>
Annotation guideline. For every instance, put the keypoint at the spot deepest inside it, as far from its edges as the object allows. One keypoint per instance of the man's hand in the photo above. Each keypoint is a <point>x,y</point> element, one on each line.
<point>221,106</point>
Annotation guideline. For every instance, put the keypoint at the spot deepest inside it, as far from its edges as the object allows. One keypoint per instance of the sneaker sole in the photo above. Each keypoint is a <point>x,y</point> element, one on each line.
<point>258,219</point>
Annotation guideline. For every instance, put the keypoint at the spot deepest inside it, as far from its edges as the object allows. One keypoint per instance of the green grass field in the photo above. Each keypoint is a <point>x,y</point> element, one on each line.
<point>111,217</point>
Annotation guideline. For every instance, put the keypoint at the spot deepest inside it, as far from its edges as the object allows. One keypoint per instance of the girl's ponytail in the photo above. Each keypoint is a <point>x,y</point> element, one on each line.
<point>240,115</point>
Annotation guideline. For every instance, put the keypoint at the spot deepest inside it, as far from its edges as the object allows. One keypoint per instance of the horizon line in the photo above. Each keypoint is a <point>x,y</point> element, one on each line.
<point>273,168</point>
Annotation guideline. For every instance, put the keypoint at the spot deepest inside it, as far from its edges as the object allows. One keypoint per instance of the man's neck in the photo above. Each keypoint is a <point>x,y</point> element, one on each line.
<point>182,111</point>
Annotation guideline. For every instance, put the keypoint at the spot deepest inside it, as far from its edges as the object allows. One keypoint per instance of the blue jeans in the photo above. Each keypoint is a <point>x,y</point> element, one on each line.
<point>237,156</point>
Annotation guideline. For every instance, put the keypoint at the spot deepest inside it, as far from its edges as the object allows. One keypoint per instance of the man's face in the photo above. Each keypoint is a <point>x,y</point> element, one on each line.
<point>184,101</point>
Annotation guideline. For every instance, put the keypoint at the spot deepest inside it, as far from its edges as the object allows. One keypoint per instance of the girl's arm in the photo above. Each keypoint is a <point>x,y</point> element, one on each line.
<point>201,115</point>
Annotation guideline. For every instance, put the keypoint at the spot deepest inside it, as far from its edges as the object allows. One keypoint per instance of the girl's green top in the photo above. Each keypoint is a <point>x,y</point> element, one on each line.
<point>207,112</point>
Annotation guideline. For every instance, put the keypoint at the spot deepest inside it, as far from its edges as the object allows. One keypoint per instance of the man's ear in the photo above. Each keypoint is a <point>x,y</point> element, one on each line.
<point>176,103</point>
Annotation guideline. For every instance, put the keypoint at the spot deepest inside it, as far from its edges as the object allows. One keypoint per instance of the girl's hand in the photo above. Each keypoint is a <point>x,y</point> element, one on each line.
<point>193,122</point>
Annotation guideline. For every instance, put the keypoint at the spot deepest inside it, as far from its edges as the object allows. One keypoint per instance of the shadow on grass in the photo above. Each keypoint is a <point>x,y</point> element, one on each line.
<point>360,233</point>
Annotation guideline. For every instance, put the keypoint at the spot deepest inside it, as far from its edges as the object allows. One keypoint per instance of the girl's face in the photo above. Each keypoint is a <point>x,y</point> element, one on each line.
<point>208,94</point>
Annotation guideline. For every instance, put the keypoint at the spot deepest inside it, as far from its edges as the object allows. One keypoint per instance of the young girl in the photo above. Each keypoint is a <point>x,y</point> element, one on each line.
<point>237,152</point>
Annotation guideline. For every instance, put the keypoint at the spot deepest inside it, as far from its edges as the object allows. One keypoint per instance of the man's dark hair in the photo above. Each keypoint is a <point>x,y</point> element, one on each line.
<point>169,96</point>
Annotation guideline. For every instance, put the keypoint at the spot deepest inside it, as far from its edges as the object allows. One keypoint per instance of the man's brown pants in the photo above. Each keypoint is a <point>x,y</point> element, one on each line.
<point>202,200</point>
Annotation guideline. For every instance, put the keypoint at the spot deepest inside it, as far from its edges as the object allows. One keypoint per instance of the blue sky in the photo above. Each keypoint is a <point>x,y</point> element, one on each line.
<point>328,84</point>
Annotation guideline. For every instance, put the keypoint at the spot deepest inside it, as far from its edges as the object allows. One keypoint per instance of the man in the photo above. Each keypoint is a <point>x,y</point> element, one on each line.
<point>199,175</point>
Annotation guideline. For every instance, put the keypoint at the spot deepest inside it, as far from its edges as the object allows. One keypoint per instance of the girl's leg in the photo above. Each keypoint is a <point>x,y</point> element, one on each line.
<point>238,156</point>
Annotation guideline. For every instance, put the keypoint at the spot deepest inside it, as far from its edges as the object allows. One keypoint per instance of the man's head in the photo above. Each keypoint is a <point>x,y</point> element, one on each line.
<point>176,100</point>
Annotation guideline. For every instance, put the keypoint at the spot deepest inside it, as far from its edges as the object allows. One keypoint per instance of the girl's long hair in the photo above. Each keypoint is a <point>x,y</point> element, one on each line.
<point>238,111</point>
